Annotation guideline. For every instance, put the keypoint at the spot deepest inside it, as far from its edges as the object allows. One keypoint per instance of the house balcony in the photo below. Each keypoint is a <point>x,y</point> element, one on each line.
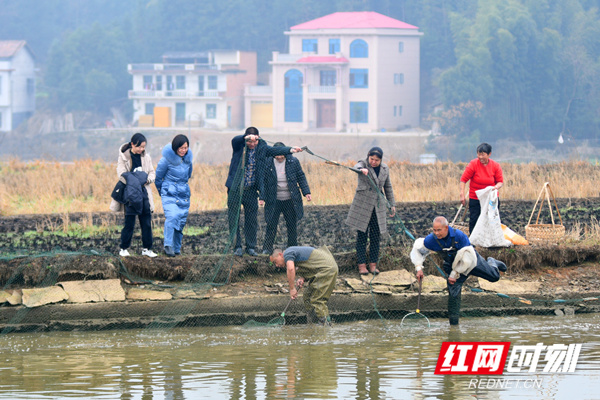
<point>175,94</point>
<point>322,92</point>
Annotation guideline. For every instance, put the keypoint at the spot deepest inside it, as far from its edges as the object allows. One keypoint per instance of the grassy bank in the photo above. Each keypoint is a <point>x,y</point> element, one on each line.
<point>85,186</point>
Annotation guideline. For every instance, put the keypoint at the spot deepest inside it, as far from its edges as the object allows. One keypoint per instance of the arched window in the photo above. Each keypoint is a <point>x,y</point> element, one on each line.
<point>293,96</point>
<point>359,49</point>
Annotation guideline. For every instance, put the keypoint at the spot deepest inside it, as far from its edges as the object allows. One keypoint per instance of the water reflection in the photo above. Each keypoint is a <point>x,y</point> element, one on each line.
<point>368,360</point>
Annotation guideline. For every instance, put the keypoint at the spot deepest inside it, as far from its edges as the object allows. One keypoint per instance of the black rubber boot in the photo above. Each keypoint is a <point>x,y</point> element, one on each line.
<point>454,309</point>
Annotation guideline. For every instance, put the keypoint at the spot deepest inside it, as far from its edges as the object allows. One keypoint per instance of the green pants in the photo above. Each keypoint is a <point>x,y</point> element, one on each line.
<point>320,271</point>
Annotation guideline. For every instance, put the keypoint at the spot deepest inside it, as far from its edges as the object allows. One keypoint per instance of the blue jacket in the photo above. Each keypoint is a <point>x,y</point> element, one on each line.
<point>172,175</point>
<point>263,150</point>
<point>296,183</point>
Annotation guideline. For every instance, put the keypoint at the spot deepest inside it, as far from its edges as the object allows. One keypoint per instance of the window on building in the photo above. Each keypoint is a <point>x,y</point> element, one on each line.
<point>180,82</point>
<point>212,82</point>
<point>334,46</point>
<point>399,111</point>
<point>0,121</point>
<point>293,96</point>
<point>211,111</point>
<point>359,49</point>
<point>309,45</point>
<point>359,112</point>
<point>179,112</point>
<point>148,82</point>
<point>398,79</point>
<point>149,108</point>
<point>400,47</point>
<point>327,78</point>
<point>0,85</point>
<point>158,82</point>
<point>30,87</point>
<point>201,83</point>
<point>170,84</point>
<point>359,78</point>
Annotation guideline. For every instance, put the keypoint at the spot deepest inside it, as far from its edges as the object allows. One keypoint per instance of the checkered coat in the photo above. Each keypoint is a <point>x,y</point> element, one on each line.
<point>366,199</point>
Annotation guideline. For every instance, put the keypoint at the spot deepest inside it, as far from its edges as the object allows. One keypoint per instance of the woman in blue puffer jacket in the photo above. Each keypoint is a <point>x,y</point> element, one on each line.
<point>172,174</point>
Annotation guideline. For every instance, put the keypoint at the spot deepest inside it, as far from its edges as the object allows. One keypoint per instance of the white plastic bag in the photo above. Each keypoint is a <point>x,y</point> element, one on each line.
<point>488,230</point>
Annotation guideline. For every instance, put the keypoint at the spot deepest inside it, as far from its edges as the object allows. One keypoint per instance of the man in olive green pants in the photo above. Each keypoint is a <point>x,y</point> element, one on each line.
<point>318,268</point>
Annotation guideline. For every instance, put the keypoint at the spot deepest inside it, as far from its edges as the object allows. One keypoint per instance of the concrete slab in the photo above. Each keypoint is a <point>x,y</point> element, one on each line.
<point>357,284</point>
<point>145,294</point>
<point>400,277</point>
<point>4,295</point>
<point>432,283</point>
<point>16,298</point>
<point>38,297</point>
<point>94,291</point>
<point>510,287</point>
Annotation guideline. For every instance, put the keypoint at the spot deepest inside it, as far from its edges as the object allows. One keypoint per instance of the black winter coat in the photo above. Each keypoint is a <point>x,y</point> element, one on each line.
<point>296,183</point>
<point>263,150</point>
<point>135,193</point>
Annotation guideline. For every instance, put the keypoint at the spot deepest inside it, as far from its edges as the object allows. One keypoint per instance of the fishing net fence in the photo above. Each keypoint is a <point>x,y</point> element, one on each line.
<point>224,276</point>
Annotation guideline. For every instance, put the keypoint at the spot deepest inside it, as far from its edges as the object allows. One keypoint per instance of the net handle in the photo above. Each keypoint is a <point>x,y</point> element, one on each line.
<point>462,219</point>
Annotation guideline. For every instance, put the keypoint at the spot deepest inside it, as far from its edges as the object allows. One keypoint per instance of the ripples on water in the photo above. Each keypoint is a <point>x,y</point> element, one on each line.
<point>360,360</point>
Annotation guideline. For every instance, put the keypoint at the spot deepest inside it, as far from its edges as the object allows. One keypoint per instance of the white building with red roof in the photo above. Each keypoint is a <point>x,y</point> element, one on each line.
<point>347,71</point>
<point>17,83</point>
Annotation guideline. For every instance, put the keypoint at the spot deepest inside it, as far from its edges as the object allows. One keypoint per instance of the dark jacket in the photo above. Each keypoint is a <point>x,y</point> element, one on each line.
<point>263,150</point>
<point>135,192</point>
<point>296,183</point>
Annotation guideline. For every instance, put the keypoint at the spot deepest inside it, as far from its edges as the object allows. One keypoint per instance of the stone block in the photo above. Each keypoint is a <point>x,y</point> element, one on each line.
<point>399,277</point>
<point>357,284</point>
<point>94,291</point>
<point>510,287</point>
<point>145,294</point>
<point>42,296</point>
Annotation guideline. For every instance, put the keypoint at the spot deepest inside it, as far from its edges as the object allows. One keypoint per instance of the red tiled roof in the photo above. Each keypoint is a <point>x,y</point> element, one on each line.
<point>322,59</point>
<point>9,48</point>
<point>349,20</point>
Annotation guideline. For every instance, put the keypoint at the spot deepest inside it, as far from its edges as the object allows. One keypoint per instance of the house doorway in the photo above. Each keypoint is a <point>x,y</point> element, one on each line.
<point>325,113</point>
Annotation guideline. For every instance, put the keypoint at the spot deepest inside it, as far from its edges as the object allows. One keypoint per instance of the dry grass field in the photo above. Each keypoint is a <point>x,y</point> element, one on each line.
<point>85,186</point>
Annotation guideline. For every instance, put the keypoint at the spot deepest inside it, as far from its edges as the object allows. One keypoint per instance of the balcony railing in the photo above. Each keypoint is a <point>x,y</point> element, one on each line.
<point>260,89</point>
<point>321,89</point>
<point>173,93</point>
<point>171,67</point>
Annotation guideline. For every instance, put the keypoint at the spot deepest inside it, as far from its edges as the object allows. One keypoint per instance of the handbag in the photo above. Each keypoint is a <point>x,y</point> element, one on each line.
<point>118,192</point>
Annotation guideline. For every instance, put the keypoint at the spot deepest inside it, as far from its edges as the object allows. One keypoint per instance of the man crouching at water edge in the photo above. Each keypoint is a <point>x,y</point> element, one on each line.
<point>318,269</point>
<point>460,261</point>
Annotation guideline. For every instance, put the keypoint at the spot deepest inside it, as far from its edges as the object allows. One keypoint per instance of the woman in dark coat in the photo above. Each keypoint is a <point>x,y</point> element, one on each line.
<point>172,174</point>
<point>283,181</point>
<point>368,210</point>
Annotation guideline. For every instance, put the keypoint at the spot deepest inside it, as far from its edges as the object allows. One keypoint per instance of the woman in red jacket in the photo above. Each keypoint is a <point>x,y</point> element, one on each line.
<point>482,172</point>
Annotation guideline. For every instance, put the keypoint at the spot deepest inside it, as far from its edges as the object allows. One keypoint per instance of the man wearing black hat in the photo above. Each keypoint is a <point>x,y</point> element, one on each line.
<point>244,185</point>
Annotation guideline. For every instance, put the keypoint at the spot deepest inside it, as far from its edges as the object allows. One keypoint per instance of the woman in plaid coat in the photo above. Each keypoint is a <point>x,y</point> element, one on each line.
<point>368,210</point>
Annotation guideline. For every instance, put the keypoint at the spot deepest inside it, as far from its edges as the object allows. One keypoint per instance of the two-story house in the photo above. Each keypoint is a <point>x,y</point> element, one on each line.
<point>193,89</point>
<point>17,83</point>
<point>347,71</point>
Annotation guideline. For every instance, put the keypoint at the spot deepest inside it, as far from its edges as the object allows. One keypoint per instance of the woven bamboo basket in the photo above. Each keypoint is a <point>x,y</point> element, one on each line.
<point>461,225</point>
<point>545,233</point>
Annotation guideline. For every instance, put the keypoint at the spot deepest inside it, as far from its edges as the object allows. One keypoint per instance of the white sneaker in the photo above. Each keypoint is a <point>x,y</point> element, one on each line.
<point>123,253</point>
<point>149,253</point>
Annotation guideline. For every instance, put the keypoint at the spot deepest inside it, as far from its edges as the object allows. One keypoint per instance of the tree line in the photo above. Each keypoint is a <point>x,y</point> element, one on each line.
<point>500,68</point>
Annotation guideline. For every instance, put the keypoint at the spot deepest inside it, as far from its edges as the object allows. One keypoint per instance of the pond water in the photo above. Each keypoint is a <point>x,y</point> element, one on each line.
<point>360,360</point>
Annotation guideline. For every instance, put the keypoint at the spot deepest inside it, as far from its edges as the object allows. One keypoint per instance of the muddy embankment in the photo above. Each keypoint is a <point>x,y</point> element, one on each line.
<point>249,287</point>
